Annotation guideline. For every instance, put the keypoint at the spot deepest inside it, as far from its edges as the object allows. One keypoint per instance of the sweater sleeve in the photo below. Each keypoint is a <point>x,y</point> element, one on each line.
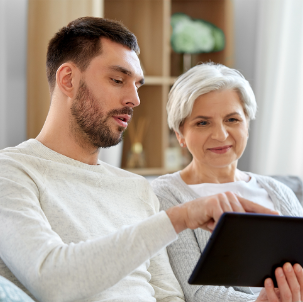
<point>184,254</point>
<point>163,280</point>
<point>54,271</point>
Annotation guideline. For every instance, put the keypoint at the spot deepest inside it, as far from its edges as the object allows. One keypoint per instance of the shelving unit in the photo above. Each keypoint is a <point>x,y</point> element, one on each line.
<point>149,20</point>
<point>45,18</point>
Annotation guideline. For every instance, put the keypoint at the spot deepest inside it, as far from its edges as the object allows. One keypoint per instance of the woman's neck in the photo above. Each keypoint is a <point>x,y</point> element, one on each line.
<point>196,173</point>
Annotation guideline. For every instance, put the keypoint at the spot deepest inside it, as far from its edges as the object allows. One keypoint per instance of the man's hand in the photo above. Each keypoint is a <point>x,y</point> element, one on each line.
<point>205,212</point>
<point>290,285</point>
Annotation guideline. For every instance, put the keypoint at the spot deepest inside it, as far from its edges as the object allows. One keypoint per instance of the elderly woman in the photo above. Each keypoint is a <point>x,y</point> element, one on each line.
<point>209,108</point>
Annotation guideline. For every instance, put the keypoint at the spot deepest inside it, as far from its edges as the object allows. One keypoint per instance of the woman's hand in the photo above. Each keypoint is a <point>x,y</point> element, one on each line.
<point>290,285</point>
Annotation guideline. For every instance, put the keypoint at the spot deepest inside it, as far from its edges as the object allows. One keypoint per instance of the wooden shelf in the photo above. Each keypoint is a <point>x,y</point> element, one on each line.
<point>45,18</point>
<point>152,80</point>
<point>217,12</point>
<point>150,171</point>
<point>145,20</point>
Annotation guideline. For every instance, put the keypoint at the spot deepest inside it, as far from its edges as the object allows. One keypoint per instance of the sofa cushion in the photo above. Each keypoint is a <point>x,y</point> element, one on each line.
<point>11,293</point>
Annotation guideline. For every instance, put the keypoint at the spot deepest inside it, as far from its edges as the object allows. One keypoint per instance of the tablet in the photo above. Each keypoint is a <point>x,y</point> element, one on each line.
<point>245,249</point>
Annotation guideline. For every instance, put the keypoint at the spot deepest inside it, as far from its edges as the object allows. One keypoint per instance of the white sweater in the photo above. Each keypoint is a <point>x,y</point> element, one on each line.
<point>76,232</point>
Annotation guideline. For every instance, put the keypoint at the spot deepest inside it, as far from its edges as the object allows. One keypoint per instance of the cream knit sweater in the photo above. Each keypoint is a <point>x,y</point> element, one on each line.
<point>76,232</point>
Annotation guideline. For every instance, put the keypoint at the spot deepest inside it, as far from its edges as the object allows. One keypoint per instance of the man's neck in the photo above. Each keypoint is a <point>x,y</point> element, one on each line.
<point>70,148</point>
<point>57,136</point>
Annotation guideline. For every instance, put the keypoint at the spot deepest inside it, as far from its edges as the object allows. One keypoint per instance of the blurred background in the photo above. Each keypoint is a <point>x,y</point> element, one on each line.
<point>263,39</point>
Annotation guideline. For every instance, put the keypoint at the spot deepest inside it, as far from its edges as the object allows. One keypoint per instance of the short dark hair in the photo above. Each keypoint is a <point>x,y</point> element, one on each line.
<point>80,42</point>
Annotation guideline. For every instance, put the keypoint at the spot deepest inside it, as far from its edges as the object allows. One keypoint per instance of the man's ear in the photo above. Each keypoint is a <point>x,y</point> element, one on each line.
<point>67,79</point>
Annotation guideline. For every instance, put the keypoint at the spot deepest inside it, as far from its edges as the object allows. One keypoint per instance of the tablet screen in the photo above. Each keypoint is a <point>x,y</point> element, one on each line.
<point>246,248</point>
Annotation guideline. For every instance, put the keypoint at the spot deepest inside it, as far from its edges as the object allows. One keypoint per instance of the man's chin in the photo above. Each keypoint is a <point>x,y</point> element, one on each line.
<point>110,142</point>
<point>121,130</point>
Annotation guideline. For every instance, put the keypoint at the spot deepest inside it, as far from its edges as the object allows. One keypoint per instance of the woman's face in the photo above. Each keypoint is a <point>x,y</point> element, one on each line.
<point>216,132</point>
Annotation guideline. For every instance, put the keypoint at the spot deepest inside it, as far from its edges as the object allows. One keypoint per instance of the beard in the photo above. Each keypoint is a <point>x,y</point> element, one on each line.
<point>89,123</point>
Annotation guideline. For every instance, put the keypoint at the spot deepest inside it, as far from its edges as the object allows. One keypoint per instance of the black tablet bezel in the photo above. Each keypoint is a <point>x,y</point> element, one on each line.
<point>246,248</point>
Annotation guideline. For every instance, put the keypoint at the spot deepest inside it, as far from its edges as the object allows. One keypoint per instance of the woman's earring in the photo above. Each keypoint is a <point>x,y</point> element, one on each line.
<point>182,145</point>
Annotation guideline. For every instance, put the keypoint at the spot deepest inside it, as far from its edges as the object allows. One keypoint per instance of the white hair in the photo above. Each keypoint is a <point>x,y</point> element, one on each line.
<point>202,79</point>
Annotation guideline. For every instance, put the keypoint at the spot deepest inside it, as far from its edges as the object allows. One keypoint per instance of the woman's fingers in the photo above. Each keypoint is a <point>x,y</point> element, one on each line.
<point>299,273</point>
<point>290,284</point>
<point>270,291</point>
<point>292,281</point>
<point>285,292</point>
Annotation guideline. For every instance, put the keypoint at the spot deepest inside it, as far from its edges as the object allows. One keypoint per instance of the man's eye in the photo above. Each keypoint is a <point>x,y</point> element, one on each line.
<point>117,81</point>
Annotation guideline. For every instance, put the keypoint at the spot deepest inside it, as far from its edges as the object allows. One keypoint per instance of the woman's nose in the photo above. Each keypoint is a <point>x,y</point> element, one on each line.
<point>220,133</point>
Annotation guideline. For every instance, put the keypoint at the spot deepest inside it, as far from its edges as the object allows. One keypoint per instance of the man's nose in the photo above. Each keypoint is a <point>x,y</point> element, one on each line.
<point>132,98</point>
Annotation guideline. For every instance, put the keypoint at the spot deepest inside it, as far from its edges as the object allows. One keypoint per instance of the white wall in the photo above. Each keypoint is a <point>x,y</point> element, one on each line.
<point>245,25</point>
<point>2,76</point>
<point>13,37</point>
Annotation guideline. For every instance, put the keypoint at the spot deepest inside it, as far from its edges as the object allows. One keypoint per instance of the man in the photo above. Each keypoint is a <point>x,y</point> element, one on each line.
<point>74,228</point>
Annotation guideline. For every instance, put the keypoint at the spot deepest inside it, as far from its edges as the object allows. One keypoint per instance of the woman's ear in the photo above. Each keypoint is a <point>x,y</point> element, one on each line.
<point>180,139</point>
<point>66,79</point>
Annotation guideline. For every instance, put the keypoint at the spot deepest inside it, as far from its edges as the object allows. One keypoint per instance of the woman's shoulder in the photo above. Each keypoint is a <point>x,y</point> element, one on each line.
<point>280,183</point>
<point>284,191</point>
<point>166,183</point>
<point>172,190</point>
<point>165,179</point>
<point>270,183</point>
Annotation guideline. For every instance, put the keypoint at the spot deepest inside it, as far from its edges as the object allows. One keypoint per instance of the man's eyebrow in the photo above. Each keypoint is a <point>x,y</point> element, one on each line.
<point>121,69</point>
<point>125,71</point>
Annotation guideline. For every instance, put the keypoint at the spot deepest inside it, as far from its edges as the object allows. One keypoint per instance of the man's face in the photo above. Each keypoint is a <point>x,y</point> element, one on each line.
<point>106,96</point>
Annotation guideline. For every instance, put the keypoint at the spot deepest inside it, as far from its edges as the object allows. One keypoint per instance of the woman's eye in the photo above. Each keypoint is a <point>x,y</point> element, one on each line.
<point>202,123</point>
<point>232,120</point>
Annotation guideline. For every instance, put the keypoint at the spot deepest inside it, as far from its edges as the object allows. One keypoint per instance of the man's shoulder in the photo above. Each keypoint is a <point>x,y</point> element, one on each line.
<point>13,154</point>
<point>22,148</point>
<point>20,166</point>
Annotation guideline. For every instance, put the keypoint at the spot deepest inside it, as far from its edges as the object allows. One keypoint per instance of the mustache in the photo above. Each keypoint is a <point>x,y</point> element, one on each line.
<point>124,110</point>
